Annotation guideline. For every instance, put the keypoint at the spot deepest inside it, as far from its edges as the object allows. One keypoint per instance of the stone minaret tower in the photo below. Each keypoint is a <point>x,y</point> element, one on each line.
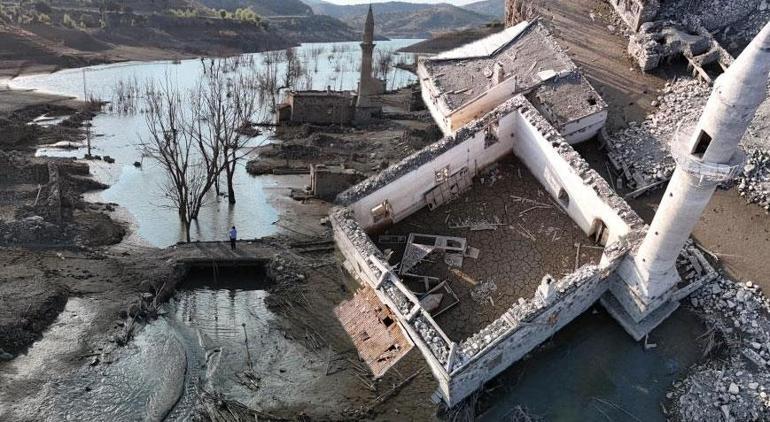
<point>366,83</point>
<point>705,156</point>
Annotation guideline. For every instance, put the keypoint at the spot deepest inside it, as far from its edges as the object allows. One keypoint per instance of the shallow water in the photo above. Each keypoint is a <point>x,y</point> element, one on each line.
<point>592,371</point>
<point>139,190</point>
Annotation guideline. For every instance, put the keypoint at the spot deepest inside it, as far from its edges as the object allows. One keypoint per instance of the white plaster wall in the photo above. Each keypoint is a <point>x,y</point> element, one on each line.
<point>429,95</point>
<point>483,104</point>
<point>361,270</point>
<point>406,194</point>
<point>583,129</point>
<point>515,345</point>
<point>554,172</point>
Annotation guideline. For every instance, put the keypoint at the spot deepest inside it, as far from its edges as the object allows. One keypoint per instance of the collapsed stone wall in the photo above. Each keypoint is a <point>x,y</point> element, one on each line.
<point>16,168</point>
<point>362,255</point>
<point>462,368</point>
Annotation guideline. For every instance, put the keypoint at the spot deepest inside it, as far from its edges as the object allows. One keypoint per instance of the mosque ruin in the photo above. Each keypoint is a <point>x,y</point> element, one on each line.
<point>484,244</point>
<point>339,107</point>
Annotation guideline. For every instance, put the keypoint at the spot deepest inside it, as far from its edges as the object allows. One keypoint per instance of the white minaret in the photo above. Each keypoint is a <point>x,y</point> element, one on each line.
<point>705,157</point>
<point>365,83</point>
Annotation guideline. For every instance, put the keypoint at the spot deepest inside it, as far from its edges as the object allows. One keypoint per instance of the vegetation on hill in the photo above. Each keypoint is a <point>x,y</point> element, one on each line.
<point>401,19</point>
<point>263,7</point>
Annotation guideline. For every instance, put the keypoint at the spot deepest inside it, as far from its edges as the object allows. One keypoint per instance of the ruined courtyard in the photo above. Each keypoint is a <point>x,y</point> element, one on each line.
<point>521,235</point>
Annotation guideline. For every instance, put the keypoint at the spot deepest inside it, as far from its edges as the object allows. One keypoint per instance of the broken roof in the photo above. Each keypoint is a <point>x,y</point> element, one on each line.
<point>526,52</point>
<point>565,99</point>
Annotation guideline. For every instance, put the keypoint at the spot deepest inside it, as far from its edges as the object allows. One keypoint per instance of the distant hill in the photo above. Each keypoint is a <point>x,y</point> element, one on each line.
<point>450,40</point>
<point>493,8</point>
<point>263,7</point>
<point>401,19</point>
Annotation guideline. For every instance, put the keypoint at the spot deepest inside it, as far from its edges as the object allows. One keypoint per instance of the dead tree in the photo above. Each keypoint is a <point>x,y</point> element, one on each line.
<point>222,118</point>
<point>172,145</point>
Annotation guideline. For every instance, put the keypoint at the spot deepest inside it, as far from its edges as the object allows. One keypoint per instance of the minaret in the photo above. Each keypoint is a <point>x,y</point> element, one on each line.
<point>365,83</point>
<point>705,157</point>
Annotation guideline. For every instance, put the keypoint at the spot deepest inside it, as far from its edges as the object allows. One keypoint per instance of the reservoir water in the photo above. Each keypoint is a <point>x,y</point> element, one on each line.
<point>138,190</point>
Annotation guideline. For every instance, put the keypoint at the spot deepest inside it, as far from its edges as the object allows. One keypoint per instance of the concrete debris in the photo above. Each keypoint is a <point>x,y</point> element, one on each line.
<point>482,292</point>
<point>733,19</point>
<point>641,152</point>
<point>737,316</point>
<point>754,182</point>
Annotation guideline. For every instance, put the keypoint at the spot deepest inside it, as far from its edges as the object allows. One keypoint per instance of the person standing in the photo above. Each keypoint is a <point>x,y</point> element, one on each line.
<point>233,237</point>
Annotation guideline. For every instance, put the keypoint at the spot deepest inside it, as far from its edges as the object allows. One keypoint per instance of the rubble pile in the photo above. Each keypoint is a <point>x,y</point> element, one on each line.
<point>477,342</point>
<point>754,182</point>
<point>483,292</point>
<point>435,342</point>
<point>735,19</point>
<point>641,152</point>
<point>737,387</point>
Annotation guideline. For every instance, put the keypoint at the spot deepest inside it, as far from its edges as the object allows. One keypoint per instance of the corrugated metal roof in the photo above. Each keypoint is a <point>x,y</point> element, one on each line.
<point>375,331</point>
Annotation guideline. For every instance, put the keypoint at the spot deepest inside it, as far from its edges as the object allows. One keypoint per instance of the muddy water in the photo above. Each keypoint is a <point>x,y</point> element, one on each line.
<point>140,382</point>
<point>592,371</point>
<point>139,190</point>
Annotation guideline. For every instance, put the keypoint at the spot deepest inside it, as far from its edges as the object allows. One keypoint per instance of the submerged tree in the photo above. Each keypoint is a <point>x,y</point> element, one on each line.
<point>223,108</point>
<point>172,145</point>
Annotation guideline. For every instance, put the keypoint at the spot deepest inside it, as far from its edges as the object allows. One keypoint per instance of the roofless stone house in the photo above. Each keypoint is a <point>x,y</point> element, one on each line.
<point>339,107</point>
<point>539,199</point>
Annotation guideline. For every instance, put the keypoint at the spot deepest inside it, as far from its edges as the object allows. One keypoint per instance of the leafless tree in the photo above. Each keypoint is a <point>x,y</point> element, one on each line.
<point>223,107</point>
<point>383,63</point>
<point>293,69</point>
<point>172,145</point>
<point>266,77</point>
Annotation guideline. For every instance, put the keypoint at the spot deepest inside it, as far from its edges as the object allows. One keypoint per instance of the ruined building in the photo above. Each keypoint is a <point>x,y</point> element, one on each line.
<point>339,107</point>
<point>466,83</point>
<point>636,12</point>
<point>503,204</point>
<point>659,39</point>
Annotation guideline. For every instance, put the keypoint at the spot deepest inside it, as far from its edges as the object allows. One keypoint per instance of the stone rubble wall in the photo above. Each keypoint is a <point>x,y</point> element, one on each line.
<point>18,169</point>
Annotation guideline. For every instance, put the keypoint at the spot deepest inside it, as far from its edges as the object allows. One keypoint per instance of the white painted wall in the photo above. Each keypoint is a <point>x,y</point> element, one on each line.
<point>554,173</point>
<point>406,194</point>
<point>518,343</point>
<point>583,129</point>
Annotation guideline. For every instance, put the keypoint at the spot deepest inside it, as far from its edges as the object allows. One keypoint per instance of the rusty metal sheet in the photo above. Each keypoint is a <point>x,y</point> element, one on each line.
<point>375,332</point>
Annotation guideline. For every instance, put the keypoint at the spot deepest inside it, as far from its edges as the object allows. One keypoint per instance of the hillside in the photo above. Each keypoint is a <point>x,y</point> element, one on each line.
<point>263,7</point>
<point>66,33</point>
<point>493,8</point>
<point>454,39</point>
<point>405,20</point>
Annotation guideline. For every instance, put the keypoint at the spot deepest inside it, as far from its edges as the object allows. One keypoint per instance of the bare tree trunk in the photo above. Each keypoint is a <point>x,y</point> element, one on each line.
<point>230,172</point>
